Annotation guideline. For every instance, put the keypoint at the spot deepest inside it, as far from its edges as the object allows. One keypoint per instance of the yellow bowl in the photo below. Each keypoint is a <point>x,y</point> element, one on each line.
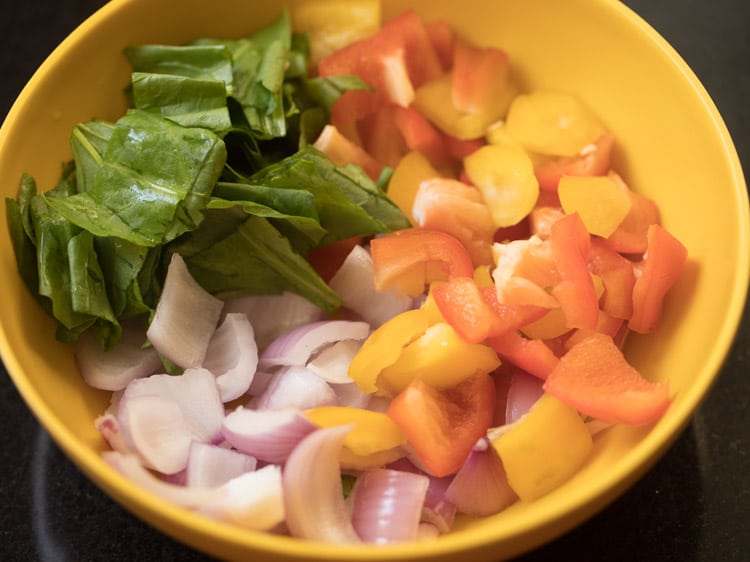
<point>672,145</point>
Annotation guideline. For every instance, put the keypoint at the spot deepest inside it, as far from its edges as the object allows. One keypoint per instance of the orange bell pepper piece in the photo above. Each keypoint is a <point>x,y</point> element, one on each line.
<point>442,426</point>
<point>630,235</point>
<point>570,243</point>
<point>618,276</point>
<point>595,378</point>
<point>341,151</point>
<point>412,258</point>
<point>419,134</point>
<point>533,356</point>
<point>661,267</point>
<point>480,79</point>
<point>474,312</point>
<point>594,160</point>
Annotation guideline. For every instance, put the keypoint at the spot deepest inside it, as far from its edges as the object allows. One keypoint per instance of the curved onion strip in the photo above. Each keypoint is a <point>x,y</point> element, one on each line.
<point>354,282</point>
<point>480,487</point>
<point>332,363</point>
<point>296,347</point>
<point>387,505</point>
<point>273,315</point>
<point>253,500</point>
<point>185,318</point>
<point>212,465</point>
<point>350,394</point>
<point>114,368</point>
<point>296,387</point>
<point>269,435</point>
<point>523,392</point>
<point>232,356</point>
<point>313,493</point>
<point>109,428</point>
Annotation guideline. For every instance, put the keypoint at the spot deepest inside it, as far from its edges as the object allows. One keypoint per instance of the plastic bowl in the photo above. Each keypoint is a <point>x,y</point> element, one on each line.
<point>672,146</point>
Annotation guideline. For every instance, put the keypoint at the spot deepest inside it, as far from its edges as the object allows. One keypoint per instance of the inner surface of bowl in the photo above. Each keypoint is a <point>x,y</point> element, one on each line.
<point>671,145</point>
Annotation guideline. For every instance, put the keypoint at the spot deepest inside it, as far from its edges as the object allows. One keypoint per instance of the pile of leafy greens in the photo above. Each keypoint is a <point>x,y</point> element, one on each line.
<point>213,161</point>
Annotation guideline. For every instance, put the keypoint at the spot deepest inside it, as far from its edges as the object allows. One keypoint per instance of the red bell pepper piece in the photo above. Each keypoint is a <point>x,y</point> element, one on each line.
<point>415,257</point>
<point>617,275</point>
<point>474,312</point>
<point>593,162</point>
<point>351,108</point>
<point>443,38</point>
<point>570,243</point>
<point>630,237</point>
<point>660,269</point>
<point>327,260</point>
<point>442,426</point>
<point>419,134</point>
<point>533,356</point>
<point>594,377</point>
<point>381,137</point>
<point>480,77</point>
<point>341,151</point>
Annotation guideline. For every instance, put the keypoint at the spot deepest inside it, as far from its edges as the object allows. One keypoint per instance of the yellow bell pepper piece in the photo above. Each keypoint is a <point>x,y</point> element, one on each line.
<point>599,200</point>
<point>552,123</point>
<point>333,24</point>
<point>483,276</point>
<point>544,448</point>
<point>433,100</point>
<point>505,176</point>
<point>374,435</point>
<point>411,170</point>
<point>383,347</point>
<point>441,358</point>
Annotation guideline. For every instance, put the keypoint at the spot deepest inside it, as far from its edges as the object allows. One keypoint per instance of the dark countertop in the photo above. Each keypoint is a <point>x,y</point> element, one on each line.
<point>694,505</point>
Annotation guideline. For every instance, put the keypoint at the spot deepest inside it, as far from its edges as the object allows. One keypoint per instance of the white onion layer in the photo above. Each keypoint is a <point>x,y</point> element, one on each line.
<point>211,465</point>
<point>185,317</point>
<point>296,387</point>
<point>232,356</point>
<point>313,493</point>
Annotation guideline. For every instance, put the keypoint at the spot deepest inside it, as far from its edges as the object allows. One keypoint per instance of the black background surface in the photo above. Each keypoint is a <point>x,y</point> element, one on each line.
<point>694,505</point>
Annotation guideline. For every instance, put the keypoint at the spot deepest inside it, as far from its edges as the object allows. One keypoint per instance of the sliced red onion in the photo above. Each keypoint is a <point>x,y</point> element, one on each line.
<point>350,394</point>
<point>113,369</point>
<point>261,380</point>
<point>480,487</point>
<point>162,414</point>
<point>523,392</point>
<point>354,282</point>
<point>437,509</point>
<point>296,347</point>
<point>159,432</point>
<point>185,318</point>
<point>332,363</point>
<point>296,387</point>
<point>387,505</point>
<point>269,435</point>
<point>211,465</point>
<point>253,500</point>
<point>313,493</point>
<point>273,315</point>
<point>232,356</point>
<point>109,427</point>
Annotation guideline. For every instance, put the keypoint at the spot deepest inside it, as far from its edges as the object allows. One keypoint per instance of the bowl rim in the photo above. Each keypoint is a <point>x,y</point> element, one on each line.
<point>564,516</point>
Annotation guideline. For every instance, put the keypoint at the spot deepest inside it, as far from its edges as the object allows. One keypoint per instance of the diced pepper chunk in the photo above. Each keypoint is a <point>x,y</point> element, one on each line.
<point>505,176</point>
<point>412,258</point>
<point>412,169</point>
<point>662,264</point>
<point>443,425</point>
<point>544,448</point>
<point>480,79</point>
<point>342,151</point>
<point>552,123</point>
<point>595,378</point>
<point>440,357</point>
<point>630,235</point>
<point>594,160</point>
<point>533,356</point>
<point>600,202</point>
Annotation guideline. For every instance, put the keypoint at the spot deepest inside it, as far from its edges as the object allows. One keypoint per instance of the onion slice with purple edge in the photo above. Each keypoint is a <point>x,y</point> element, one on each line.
<point>184,408</point>
<point>299,345</point>
<point>313,493</point>
<point>523,392</point>
<point>114,368</point>
<point>232,356</point>
<point>185,317</point>
<point>480,487</point>
<point>253,500</point>
<point>387,505</point>
<point>273,315</point>
<point>354,282</point>
<point>268,435</point>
